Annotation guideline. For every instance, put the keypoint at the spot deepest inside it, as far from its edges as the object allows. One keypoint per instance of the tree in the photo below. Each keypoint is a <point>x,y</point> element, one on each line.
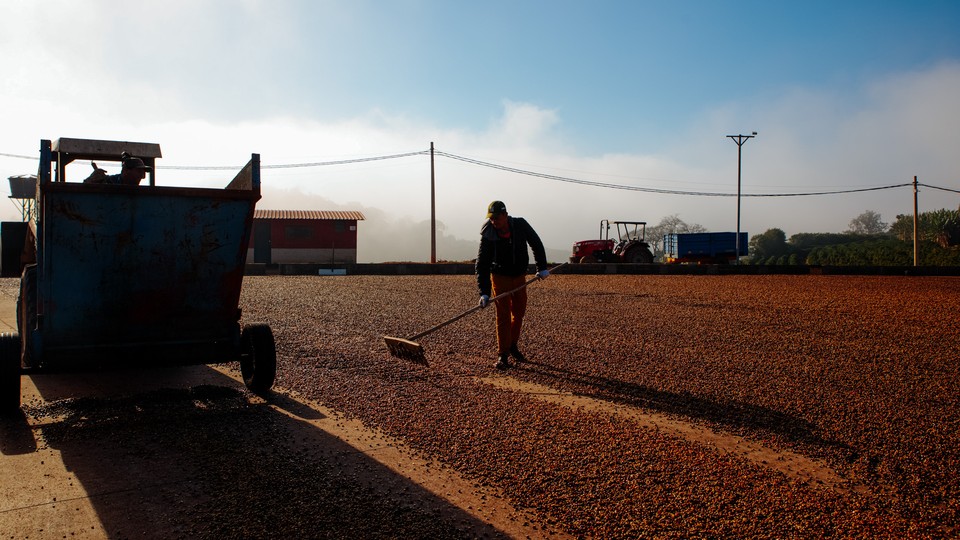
<point>669,225</point>
<point>770,244</point>
<point>867,223</point>
<point>940,226</point>
<point>945,225</point>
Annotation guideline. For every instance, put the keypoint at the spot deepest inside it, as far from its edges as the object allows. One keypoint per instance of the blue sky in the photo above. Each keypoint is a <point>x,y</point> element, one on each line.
<point>844,95</point>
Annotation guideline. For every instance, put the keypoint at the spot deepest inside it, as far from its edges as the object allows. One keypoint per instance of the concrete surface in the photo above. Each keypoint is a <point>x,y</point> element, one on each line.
<point>8,313</point>
<point>83,486</point>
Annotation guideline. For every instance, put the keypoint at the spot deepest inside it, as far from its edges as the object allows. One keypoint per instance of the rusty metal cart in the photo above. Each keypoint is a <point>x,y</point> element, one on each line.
<point>133,275</point>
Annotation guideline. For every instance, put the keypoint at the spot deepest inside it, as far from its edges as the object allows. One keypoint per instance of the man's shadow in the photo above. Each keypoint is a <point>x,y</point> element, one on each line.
<point>737,416</point>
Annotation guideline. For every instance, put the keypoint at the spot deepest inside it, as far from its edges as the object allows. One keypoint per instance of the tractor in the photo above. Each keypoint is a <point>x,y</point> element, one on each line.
<point>629,246</point>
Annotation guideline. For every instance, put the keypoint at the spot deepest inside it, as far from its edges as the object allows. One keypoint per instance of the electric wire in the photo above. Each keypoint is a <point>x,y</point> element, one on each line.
<point>265,166</point>
<point>655,190</point>
<point>514,170</point>
<point>18,156</point>
<point>294,165</point>
<point>940,188</point>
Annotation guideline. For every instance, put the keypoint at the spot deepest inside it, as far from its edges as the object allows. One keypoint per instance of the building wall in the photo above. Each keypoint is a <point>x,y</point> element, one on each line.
<point>309,256</point>
<point>309,241</point>
<point>313,234</point>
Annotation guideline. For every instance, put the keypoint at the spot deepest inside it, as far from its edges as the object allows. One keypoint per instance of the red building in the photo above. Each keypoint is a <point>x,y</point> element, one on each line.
<point>303,236</point>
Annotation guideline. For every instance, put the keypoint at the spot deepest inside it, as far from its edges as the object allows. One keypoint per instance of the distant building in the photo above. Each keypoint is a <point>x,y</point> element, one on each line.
<point>304,237</point>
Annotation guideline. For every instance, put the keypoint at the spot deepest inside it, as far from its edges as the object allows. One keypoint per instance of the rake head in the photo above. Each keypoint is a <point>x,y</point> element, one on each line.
<point>405,349</point>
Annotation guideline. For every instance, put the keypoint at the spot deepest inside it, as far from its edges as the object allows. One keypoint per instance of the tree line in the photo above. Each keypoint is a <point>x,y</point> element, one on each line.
<point>867,242</point>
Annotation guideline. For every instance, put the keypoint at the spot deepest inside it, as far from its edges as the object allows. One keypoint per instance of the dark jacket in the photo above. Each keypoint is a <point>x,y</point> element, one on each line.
<point>507,256</point>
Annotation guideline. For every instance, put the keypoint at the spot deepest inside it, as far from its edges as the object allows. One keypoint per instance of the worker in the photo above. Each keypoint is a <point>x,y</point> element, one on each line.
<point>132,172</point>
<point>501,267</point>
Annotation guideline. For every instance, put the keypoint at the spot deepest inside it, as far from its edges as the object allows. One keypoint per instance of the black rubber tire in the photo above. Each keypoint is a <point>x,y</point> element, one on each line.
<point>588,259</point>
<point>9,373</point>
<point>258,357</point>
<point>638,255</point>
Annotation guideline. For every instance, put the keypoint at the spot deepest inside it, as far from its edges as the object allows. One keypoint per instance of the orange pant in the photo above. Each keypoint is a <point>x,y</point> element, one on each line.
<point>510,310</point>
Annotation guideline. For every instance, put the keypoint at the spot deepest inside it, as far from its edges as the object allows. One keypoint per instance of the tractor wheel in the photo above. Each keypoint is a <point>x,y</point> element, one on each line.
<point>638,255</point>
<point>9,373</point>
<point>588,259</point>
<point>258,358</point>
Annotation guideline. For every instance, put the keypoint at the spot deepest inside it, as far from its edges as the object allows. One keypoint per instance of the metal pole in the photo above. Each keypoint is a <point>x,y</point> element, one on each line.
<point>916,219</point>
<point>739,165</point>
<point>433,210</point>
<point>739,139</point>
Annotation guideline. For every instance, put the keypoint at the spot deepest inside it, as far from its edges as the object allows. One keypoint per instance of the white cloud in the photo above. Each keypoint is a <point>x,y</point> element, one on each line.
<point>218,99</point>
<point>522,125</point>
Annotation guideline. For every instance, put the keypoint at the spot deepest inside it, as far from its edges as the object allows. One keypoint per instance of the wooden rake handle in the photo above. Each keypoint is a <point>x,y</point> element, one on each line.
<point>478,307</point>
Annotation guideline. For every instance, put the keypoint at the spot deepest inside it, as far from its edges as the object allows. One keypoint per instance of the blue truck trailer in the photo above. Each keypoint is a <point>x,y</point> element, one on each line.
<point>703,248</point>
<point>133,275</point>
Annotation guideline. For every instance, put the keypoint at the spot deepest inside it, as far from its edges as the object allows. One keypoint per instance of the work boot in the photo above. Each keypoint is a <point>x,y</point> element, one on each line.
<point>516,354</point>
<point>502,362</point>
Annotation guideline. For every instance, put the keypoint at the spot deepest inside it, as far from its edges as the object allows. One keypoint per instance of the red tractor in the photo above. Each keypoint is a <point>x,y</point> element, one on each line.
<point>629,247</point>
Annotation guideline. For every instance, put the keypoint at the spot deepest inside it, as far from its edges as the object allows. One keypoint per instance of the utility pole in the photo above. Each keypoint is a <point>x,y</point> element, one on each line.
<point>433,210</point>
<point>739,139</point>
<point>916,223</point>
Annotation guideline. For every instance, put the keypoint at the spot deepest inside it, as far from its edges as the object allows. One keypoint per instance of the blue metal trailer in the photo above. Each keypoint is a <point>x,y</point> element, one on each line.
<point>703,248</point>
<point>134,275</point>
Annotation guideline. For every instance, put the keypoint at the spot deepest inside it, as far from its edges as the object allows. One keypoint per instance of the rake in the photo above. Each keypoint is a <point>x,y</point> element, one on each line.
<point>409,349</point>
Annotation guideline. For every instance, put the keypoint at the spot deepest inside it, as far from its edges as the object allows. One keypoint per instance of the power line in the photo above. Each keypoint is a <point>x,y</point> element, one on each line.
<point>295,165</point>
<point>515,170</point>
<point>940,188</point>
<point>654,190</point>
<point>18,156</point>
<point>262,166</point>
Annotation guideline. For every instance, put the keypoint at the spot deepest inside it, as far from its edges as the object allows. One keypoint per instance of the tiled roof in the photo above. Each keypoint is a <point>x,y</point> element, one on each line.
<point>308,214</point>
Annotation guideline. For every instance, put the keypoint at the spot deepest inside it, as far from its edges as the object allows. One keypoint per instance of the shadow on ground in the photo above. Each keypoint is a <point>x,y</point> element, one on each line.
<point>740,417</point>
<point>208,461</point>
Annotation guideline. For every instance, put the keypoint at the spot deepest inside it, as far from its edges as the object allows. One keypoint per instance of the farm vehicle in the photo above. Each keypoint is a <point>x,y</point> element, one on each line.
<point>703,248</point>
<point>131,276</point>
<point>629,245</point>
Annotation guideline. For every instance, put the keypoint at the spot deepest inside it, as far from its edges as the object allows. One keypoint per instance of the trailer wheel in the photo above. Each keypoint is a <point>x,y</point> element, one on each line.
<point>9,373</point>
<point>258,357</point>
